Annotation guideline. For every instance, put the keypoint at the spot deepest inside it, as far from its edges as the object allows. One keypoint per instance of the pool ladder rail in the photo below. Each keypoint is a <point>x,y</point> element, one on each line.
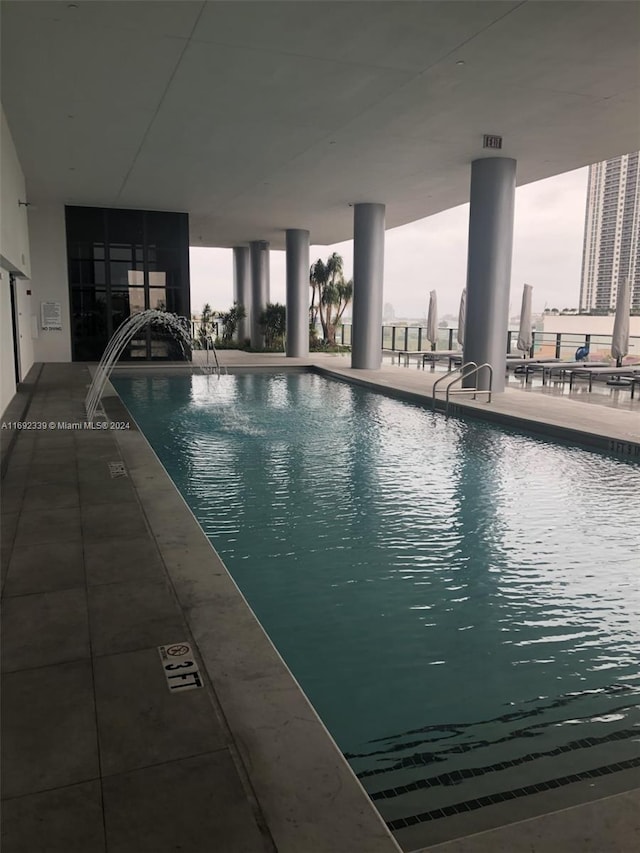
<point>464,371</point>
<point>216,368</point>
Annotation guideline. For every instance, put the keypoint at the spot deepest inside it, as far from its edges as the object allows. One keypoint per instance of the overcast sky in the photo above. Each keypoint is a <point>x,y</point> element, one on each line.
<point>431,254</point>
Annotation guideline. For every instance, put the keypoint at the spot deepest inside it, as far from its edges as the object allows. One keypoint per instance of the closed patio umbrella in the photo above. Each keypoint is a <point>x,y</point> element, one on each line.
<point>432,319</point>
<point>525,338</point>
<point>462,316</point>
<point>620,337</point>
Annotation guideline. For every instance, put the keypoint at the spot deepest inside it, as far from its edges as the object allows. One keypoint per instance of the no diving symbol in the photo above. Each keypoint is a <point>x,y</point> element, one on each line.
<point>178,650</point>
<point>180,668</point>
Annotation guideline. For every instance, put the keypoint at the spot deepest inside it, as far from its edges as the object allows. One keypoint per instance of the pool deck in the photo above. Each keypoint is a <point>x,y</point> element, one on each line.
<point>101,566</point>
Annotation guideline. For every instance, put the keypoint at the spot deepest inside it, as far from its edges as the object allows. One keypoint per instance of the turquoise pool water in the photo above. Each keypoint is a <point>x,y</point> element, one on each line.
<point>460,603</point>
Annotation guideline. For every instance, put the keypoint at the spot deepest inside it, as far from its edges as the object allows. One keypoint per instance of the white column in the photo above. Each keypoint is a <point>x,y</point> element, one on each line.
<point>493,186</point>
<point>368,271</point>
<point>259,250</point>
<point>297,242</point>
<point>242,288</point>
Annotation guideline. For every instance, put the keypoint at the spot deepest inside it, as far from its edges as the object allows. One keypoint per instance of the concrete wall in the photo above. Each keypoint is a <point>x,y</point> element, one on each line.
<point>580,324</point>
<point>574,327</point>
<point>49,279</point>
<point>7,374</point>
<point>14,232</point>
<point>15,258</point>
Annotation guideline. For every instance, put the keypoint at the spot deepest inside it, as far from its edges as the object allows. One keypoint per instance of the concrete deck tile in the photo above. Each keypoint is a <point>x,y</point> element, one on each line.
<point>50,525</point>
<point>45,568</point>
<point>44,628</point>
<point>90,456</point>
<point>161,726</point>
<point>196,805</point>
<point>170,523</point>
<point>20,457</point>
<point>115,561</point>
<point>8,526</point>
<point>59,495</point>
<point>102,522</point>
<point>52,472</point>
<point>16,477</point>
<point>5,556</point>
<point>63,454</point>
<point>117,491</point>
<point>12,496</point>
<point>65,820</point>
<point>191,569</point>
<point>25,440</point>
<point>50,737</point>
<point>54,441</point>
<point>135,615</point>
<point>99,472</point>
<point>94,440</point>
<point>176,533</point>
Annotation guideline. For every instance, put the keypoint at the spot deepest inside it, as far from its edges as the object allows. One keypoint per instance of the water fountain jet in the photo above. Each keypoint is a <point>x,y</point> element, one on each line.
<point>122,337</point>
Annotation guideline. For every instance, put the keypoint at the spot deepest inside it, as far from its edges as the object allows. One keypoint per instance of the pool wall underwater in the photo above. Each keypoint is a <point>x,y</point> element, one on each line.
<point>179,550</point>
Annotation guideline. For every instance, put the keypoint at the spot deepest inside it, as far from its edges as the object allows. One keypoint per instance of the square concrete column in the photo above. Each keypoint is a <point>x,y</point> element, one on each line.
<point>242,288</point>
<point>297,242</point>
<point>368,271</point>
<point>259,250</point>
<point>493,187</point>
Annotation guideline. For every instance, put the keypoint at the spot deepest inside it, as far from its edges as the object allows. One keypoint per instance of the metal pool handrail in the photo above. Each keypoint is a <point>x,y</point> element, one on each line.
<point>206,369</point>
<point>447,375</point>
<point>475,391</point>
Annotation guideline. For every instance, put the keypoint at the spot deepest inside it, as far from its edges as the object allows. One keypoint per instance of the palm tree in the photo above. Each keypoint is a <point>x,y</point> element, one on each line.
<point>206,324</point>
<point>273,321</point>
<point>334,294</point>
<point>318,277</point>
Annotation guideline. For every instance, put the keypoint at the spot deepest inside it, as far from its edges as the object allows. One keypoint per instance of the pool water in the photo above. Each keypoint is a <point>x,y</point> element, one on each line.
<point>459,602</point>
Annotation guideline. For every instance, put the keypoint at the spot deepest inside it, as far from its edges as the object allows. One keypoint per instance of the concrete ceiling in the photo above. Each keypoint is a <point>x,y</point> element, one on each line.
<point>260,116</point>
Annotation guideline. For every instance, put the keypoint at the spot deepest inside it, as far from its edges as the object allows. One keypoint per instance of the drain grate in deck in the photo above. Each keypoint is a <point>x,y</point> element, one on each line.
<point>117,469</point>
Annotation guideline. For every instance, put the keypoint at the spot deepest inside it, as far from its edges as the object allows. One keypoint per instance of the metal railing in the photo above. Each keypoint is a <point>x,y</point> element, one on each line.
<point>215,367</point>
<point>448,375</point>
<point>560,345</point>
<point>475,391</point>
<point>469,368</point>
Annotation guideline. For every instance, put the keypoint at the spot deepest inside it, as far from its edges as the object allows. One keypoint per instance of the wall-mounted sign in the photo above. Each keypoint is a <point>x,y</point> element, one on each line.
<point>489,141</point>
<point>51,316</point>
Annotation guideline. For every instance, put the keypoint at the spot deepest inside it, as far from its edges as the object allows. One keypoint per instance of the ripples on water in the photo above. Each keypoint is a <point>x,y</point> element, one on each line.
<point>451,597</point>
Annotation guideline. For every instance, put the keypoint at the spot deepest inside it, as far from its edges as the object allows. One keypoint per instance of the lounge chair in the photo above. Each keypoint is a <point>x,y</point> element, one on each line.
<point>588,372</point>
<point>548,368</point>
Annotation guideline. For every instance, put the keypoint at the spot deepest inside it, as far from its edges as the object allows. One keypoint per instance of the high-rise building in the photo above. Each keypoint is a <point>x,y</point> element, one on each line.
<point>611,249</point>
<point>388,313</point>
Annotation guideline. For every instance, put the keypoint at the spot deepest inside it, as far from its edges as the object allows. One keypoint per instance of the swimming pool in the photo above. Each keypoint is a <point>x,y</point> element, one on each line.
<point>460,603</point>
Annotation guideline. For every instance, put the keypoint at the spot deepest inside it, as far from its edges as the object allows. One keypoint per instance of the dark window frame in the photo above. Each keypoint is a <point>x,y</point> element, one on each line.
<point>175,224</point>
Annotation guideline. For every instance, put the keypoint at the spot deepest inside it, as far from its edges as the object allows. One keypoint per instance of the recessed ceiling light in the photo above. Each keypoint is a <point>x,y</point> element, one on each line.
<point>72,5</point>
<point>461,62</point>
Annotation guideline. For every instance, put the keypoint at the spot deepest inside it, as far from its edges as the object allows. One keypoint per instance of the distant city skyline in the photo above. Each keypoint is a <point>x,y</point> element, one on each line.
<point>431,254</point>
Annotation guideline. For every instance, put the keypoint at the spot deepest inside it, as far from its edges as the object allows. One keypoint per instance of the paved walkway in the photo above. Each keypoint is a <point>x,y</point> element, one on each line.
<point>99,570</point>
<point>97,755</point>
